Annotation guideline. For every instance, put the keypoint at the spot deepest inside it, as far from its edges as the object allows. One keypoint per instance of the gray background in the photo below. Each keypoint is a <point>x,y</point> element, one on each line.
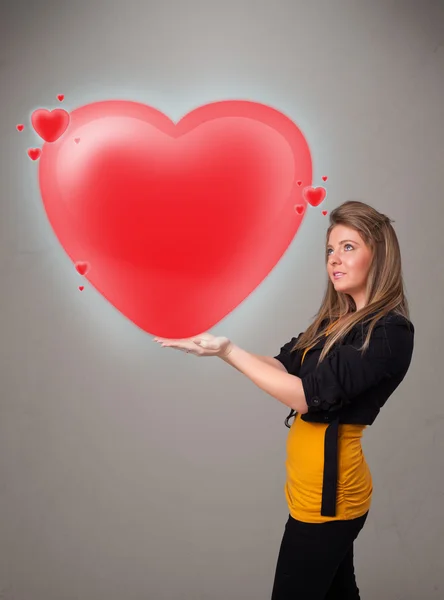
<point>132,471</point>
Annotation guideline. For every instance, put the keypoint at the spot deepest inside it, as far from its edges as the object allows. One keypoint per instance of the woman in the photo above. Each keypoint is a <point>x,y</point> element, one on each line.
<point>335,377</point>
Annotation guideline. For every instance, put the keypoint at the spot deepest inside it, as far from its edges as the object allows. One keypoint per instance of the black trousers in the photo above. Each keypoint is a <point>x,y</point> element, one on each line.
<point>315,561</point>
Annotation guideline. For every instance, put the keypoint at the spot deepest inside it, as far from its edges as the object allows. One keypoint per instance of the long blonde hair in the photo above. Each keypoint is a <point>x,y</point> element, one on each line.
<point>385,285</point>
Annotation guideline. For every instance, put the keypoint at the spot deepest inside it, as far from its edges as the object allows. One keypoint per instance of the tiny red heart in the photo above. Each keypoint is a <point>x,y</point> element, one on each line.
<point>81,288</point>
<point>20,127</point>
<point>34,153</point>
<point>324,177</point>
<point>50,125</point>
<point>314,196</point>
<point>299,208</point>
<point>82,267</point>
<point>299,183</point>
<point>77,140</point>
<point>324,212</point>
<point>61,97</point>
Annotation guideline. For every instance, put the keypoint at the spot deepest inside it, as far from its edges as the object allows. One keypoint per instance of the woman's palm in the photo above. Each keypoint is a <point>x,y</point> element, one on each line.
<point>204,344</point>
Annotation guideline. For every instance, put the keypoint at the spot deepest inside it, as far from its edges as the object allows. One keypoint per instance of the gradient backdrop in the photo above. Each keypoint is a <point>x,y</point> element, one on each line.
<point>136,472</point>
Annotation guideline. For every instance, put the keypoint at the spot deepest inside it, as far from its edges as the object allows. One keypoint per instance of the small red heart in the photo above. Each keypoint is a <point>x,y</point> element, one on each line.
<point>82,267</point>
<point>324,212</point>
<point>34,153</point>
<point>324,177</point>
<point>81,288</point>
<point>50,124</point>
<point>314,196</point>
<point>77,140</point>
<point>20,127</point>
<point>299,208</point>
<point>61,97</point>
<point>299,183</point>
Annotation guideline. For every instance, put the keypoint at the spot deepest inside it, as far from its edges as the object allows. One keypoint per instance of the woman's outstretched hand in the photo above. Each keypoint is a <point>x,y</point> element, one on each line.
<point>204,344</point>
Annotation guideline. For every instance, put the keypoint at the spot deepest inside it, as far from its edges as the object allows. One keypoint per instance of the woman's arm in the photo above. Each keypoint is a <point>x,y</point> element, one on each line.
<point>266,375</point>
<point>269,360</point>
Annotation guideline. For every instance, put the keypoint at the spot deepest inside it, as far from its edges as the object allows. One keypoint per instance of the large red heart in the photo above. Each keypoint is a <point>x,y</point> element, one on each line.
<point>179,222</point>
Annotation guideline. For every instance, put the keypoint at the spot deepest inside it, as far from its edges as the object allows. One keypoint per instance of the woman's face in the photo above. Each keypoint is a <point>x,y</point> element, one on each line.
<point>348,254</point>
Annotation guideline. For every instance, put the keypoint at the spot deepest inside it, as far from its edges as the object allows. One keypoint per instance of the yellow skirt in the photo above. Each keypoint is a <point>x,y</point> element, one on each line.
<point>305,468</point>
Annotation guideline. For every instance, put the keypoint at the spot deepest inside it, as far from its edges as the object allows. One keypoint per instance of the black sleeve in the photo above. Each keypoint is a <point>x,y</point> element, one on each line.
<point>345,374</point>
<point>287,358</point>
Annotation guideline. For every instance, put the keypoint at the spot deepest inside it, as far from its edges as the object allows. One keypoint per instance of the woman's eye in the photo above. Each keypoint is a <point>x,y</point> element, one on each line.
<point>328,251</point>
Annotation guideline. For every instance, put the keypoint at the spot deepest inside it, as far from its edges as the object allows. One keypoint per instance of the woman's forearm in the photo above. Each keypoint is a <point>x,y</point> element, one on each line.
<point>269,360</point>
<point>274,381</point>
<point>274,362</point>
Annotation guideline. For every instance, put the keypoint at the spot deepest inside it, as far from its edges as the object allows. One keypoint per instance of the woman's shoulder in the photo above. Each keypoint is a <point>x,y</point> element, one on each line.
<point>395,318</point>
<point>392,330</point>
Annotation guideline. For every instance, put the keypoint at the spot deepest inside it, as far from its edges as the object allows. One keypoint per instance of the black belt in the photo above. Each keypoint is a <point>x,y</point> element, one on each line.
<point>330,481</point>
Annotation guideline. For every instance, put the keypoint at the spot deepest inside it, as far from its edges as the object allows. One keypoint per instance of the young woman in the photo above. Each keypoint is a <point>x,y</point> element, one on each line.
<point>335,377</point>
